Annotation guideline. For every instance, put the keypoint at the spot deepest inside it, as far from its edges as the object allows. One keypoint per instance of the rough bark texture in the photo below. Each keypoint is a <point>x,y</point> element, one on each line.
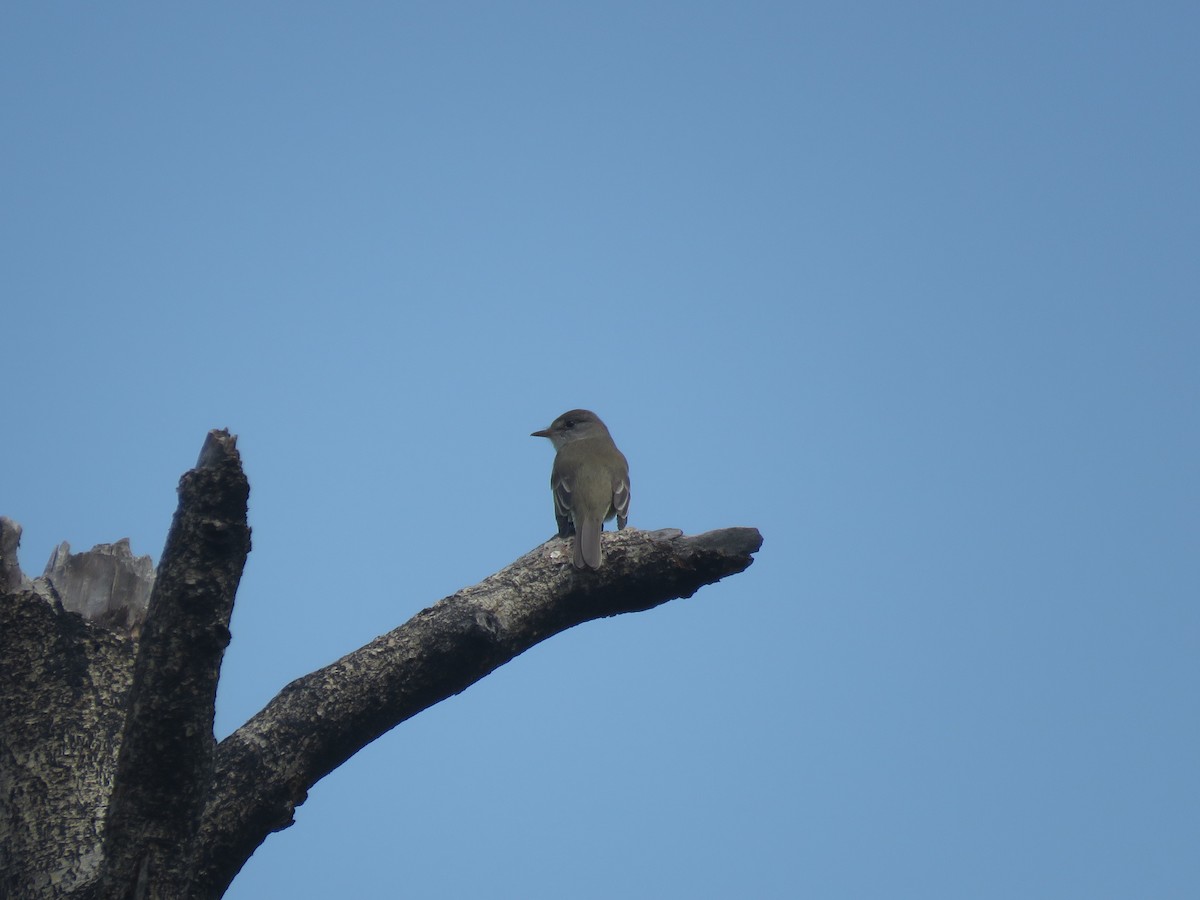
<point>165,767</point>
<point>265,768</point>
<point>63,686</point>
<point>110,783</point>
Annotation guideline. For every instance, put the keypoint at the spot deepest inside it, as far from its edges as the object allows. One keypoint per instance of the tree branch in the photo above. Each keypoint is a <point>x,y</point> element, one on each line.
<point>265,769</point>
<point>164,769</point>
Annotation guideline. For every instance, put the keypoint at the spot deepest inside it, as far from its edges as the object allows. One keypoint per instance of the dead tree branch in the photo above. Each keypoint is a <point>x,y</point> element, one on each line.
<point>149,806</point>
<point>164,771</point>
<point>265,768</point>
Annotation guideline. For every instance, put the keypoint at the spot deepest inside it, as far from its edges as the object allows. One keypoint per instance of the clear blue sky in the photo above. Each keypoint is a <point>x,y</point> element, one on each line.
<point>912,288</point>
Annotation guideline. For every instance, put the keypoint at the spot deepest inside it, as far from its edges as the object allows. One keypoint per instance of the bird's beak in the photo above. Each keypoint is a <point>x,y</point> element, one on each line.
<point>545,432</point>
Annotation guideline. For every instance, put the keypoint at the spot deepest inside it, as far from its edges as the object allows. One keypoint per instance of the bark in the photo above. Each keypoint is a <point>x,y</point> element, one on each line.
<point>10,571</point>
<point>164,770</point>
<point>110,782</point>
<point>63,685</point>
<point>265,768</point>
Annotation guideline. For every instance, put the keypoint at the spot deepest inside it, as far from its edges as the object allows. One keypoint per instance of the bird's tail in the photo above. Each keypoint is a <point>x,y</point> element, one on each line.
<point>587,544</point>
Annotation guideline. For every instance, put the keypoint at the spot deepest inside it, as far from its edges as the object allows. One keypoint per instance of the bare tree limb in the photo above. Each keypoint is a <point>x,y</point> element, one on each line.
<point>265,768</point>
<point>111,785</point>
<point>164,769</point>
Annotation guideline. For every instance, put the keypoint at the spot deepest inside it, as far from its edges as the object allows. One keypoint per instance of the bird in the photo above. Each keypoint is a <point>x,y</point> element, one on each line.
<point>589,481</point>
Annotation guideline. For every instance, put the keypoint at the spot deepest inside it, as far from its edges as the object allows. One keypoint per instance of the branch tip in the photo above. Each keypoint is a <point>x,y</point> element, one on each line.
<point>219,445</point>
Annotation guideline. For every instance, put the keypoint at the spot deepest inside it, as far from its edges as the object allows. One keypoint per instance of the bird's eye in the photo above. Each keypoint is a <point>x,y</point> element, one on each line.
<point>570,423</point>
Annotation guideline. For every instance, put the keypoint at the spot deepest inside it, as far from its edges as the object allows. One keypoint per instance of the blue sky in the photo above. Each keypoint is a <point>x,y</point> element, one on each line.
<point>910,288</point>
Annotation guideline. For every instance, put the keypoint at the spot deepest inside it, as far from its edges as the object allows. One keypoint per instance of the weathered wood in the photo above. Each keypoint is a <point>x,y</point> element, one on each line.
<point>106,584</point>
<point>11,578</point>
<point>164,770</point>
<point>63,686</point>
<point>265,768</point>
<point>62,707</point>
<point>110,781</point>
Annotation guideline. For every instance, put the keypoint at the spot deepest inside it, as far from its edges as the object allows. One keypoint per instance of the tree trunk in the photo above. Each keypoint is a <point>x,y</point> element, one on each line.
<point>111,783</point>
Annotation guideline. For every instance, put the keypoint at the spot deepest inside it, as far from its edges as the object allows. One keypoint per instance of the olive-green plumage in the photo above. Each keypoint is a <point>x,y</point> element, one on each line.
<point>590,482</point>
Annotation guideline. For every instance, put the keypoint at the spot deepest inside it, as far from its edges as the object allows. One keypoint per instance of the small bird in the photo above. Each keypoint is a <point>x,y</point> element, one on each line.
<point>590,481</point>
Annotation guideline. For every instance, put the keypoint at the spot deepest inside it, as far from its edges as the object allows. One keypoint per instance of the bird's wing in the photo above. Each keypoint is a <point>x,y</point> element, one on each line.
<point>620,500</point>
<point>562,496</point>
